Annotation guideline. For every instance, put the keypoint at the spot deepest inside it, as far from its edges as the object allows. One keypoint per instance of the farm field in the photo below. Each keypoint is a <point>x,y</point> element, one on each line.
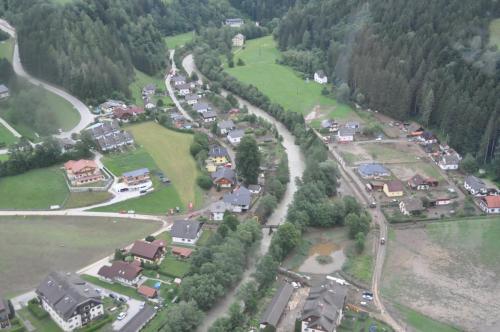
<point>175,41</point>
<point>7,49</point>
<point>76,200</point>
<point>64,114</point>
<point>6,136</point>
<point>39,245</point>
<point>281,83</point>
<point>162,150</point>
<point>140,81</point>
<point>495,32</point>
<point>35,189</point>
<point>447,271</point>
<point>421,323</point>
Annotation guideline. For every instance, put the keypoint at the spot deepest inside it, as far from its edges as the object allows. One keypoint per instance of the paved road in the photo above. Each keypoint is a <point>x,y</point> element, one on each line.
<point>171,91</point>
<point>139,320</point>
<point>296,164</point>
<point>86,117</point>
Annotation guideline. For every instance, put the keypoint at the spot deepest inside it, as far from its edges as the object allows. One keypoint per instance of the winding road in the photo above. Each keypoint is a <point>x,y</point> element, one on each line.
<point>86,117</point>
<point>296,165</point>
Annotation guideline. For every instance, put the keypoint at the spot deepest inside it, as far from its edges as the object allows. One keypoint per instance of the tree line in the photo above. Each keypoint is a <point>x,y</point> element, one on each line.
<point>426,60</point>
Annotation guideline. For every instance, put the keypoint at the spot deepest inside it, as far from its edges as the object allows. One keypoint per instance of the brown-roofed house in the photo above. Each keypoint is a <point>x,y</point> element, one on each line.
<point>161,243</point>
<point>147,291</point>
<point>393,188</point>
<point>411,206</point>
<point>122,272</point>
<point>82,172</point>
<point>182,252</point>
<point>146,252</point>
<point>417,182</point>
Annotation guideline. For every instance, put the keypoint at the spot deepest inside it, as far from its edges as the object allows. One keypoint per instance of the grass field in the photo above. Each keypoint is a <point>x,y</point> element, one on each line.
<point>6,136</point>
<point>164,150</point>
<point>76,200</point>
<point>173,267</point>
<point>141,80</point>
<point>42,325</point>
<point>7,49</point>
<point>281,83</point>
<point>38,245</point>
<point>421,323</point>
<point>495,32</point>
<point>118,288</point>
<point>36,189</point>
<point>65,115</point>
<point>175,41</point>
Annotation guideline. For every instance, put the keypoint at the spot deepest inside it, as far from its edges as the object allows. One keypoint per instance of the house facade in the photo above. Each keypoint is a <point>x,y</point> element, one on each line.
<point>490,204</point>
<point>186,231</point>
<point>320,77</point>
<point>136,177</point>
<point>83,172</point>
<point>234,137</point>
<point>70,301</point>
<point>238,40</point>
<point>217,210</point>
<point>224,177</point>
<point>345,134</point>
<point>393,188</point>
<point>209,116</point>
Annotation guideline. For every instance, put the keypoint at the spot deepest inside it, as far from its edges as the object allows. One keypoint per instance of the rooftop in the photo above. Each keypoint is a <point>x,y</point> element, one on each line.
<point>323,305</point>
<point>137,172</point>
<point>275,309</point>
<point>120,269</point>
<point>241,196</point>
<point>144,249</point>
<point>237,133</point>
<point>185,229</point>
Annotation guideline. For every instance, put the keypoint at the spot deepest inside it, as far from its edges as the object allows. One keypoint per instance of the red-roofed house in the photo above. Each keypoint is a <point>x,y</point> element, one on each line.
<point>125,113</point>
<point>146,252</point>
<point>147,291</point>
<point>122,272</point>
<point>82,172</point>
<point>490,204</point>
<point>182,252</point>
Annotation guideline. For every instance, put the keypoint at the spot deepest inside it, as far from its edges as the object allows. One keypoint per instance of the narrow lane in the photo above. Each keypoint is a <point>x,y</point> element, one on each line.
<point>171,91</point>
<point>296,165</point>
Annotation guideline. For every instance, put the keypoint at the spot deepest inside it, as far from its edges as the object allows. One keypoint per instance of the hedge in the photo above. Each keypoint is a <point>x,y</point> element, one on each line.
<point>36,310</point>
<point>98,324</point>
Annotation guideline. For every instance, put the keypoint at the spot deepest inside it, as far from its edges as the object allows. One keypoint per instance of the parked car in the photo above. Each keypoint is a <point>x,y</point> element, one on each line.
<point>121,315</point>
<point>122,299</point>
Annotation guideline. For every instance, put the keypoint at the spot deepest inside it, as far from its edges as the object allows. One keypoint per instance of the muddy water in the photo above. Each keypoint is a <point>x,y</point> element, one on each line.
<point>331,249</point>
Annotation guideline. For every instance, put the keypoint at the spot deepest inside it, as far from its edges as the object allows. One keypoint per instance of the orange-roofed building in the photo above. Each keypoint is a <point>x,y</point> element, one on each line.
<point>83,172</point>
<point>490,204</point>
<point>182,252</point>
<point>147,291</point>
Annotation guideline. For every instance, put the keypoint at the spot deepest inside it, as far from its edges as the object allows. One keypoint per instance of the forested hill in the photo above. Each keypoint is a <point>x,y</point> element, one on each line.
<point>91,47</point>
<point>426,59</point>
<point>263,10</point>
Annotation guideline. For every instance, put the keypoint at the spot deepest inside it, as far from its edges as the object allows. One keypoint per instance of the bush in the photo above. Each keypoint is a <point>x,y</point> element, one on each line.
<point>150,238</point>
<point>36,310</point>
<point>204,181</point>
<point>323,260</point>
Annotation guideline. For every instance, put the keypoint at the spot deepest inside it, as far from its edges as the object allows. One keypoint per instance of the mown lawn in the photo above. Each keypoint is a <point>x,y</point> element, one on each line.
<point>76,200</point>
<point>141,80</point>
<point>39,245</point>
<point>6,136</point>
<point>45,324</point>
<point>162,150</point>
<point>421,323</point>
<point>36,189</point>
<point>495,32</point>
<point>7,49</point>
<point>117,288</point>
<point>281,83</point>
<point>175,41</point>
<point>173,267</point>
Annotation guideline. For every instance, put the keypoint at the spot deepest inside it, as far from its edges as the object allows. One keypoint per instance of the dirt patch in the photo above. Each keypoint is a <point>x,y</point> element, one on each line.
<point>323,249</point>
<point>315,114</point>
<point>442,279</point>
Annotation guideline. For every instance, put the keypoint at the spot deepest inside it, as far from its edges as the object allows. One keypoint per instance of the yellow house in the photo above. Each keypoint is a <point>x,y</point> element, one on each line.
<point>210,166</point>
<point>218,155</point>
<point>393,188</point>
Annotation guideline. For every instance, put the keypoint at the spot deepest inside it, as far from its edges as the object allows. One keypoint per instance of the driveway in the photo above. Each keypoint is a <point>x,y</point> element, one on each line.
<point>139,320</point>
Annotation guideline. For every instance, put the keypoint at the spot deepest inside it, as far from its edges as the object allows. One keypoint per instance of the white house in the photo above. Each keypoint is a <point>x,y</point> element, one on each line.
<point>345,134</point>
<point>225,126</point>
<point>475,185</point>
<point>183,89</point>
<point>217,210</point>
<point>234,137</point>
<point>234,22</point>
<point>70,301</point>
<point>209,116</point>
<point>320,77</point>
<point>201,107</point>
<point>4,92</point>
<point>191,99</point>
<point>179,80</point>
<point>238,40</point>
<point>490,204</point>
<point>186,231</point>
<point>449,162</point>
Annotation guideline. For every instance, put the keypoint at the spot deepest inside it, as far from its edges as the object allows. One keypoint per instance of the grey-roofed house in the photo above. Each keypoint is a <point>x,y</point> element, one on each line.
<point>178,80</point>
<point>224,177</point>
<point>371,171</point>
<point>70,301</point>
<point>4,92</point>
<point>449,162</point>
<point>6,313</point>
<point>323,308</point>
<point>149,90</point>
<point>234,22</point>
<point>201,107</point>
<point>209,116</point>
<point>217,210</point>
<point>225,126</point>
<point>239,200</point>
<point>411,206</point>
<point>274,310</point>
<point>217,151</point>
<point>346,134</point>
<point>234,137</point>
<point>186,231</point>
<point>109,136</point>
<point>183,89</point>
<point>475,185</point>
<point>255,188</point>
<point>191,99</point>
